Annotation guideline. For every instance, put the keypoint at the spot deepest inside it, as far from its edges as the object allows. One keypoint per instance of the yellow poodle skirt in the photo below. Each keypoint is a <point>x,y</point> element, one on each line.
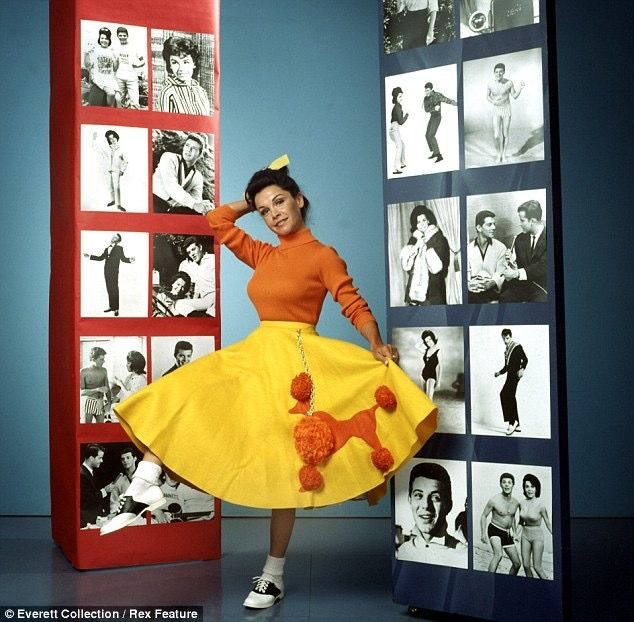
<point>222,422</point>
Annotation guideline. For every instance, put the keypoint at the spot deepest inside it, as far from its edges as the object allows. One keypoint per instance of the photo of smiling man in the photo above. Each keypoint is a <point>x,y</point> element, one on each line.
<point>425,518</point>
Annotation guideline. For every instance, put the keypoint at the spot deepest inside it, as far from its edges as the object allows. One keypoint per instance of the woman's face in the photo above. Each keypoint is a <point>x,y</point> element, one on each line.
<point>429,342</point>
<point>281,211</point>
<point>529,490</point>
<point>104,42</point>
<point>182,67</point>
<point>422,223</point>
<point>178,287</point>
<point>399,98</point>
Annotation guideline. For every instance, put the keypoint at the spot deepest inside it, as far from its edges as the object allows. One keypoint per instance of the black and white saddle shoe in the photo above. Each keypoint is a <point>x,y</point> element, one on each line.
<point>264,594</point>
<point>131,508</point>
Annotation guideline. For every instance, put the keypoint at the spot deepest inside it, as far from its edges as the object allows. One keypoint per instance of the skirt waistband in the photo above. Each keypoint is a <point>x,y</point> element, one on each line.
<point>290,326</point>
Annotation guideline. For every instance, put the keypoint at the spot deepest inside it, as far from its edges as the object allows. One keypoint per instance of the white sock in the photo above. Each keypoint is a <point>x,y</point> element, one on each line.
<point>274,569</point>
<point>146,474</point>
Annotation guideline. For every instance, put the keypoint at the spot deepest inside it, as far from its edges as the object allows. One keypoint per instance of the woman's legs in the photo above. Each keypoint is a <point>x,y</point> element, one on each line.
<point>430,385</point>
<point>538,552</point>
<point>281,530</point>
<point>526,557</point>
<point>115,183</point>
<point>399,152</point>
<point>268,588</point>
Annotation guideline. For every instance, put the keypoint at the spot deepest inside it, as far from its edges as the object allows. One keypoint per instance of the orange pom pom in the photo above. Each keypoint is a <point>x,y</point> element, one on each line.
<point>314,440</point>
<point>310,478</point>
<point>301,387</point>
<point>382,459</point>
<point>385,398</point>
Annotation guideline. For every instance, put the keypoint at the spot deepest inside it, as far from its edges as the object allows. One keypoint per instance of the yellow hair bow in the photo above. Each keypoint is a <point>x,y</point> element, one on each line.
<point>279,163</point>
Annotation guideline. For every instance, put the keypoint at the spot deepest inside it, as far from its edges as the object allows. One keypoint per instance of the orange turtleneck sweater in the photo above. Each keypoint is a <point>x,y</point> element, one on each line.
<point>290,281</point>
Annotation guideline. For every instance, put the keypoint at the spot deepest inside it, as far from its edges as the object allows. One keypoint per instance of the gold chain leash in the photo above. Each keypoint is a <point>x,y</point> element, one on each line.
<point>300,345</point>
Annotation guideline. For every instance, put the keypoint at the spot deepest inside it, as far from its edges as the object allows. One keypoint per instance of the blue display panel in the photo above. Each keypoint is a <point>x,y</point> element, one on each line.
<point>475,303</point>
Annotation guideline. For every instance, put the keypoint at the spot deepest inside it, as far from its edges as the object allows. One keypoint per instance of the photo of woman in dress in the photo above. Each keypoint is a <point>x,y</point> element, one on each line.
<point>532,513</point>
<point>425,259</point>
<point>101,61</point>
<point>180,88</point>
<point>398,117</point>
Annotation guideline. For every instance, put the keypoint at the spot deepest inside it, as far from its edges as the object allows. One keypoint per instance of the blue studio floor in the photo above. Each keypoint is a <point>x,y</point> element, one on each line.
<point>338,569</point>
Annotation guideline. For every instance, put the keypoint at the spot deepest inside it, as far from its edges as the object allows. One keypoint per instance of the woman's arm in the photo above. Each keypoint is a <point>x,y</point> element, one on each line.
<point>241,207</point>
<point>544,513</point>
<point>384,352</point>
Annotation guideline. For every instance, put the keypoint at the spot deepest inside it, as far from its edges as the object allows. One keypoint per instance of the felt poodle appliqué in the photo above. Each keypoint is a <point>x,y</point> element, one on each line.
<point>319,436</point>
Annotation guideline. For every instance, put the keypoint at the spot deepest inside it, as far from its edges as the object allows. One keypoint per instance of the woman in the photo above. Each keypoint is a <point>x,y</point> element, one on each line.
<point>103,64</point>
<point>94,387</point>
<point>431,360</point>
<point>425,258</point>
<point>532,512</point>
<point>136,378</point>
<point>396,120</point>
<point>181,92</point>
<point>165,300</point>
<point>239,423</point>
<point>115,162</point>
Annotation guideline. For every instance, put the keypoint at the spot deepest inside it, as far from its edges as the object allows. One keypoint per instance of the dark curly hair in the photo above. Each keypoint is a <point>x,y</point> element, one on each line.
<point>532,479</point>
<point>272,177</point>
<point>181,46</point>
<point>105,31</point>
<point>137,362</point>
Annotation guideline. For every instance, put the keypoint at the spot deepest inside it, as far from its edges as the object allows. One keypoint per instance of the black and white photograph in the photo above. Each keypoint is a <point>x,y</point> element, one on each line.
<point>422,122</point>
<point>105,473</point>
<point>182,72</point>
<point>503,109</point>
<point>411,24</point>
<point>183,503</point>
<point>512,514</point>
<point>481,17</point>
<point>114,274</point>
<point>424,252</point>
<point>507,251</point>
<point>111,369</point>
<point>170,353</point>
<point>510,380</point>
<point>433,357</point>
<point>183,172</point>
<point>114,169</point>
<point>430,512</point>
<point>114,65</point>
<point>183,276</point>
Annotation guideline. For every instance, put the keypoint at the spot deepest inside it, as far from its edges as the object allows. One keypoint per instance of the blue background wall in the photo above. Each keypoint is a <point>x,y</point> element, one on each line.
<point>302,77</point>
